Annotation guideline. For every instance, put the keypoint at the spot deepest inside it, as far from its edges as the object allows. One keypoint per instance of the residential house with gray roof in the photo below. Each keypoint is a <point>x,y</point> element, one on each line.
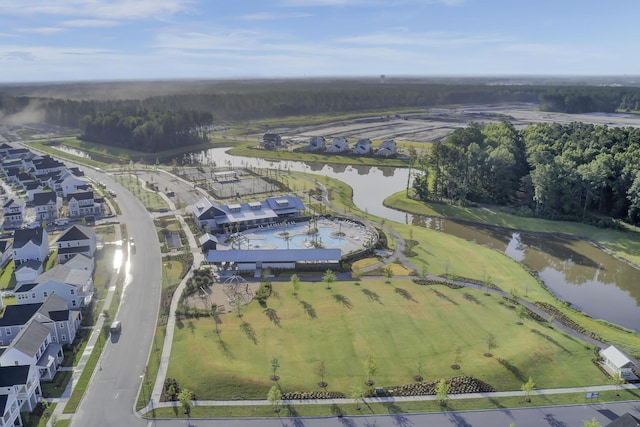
<point>33,346</point>
<point>23,382</point>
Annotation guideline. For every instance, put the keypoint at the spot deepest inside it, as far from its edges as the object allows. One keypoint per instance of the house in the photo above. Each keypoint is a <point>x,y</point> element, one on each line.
<point>208,242</point>
<point>22,381</point>
<point>16,153</point>
<point>338,145</point>
<point>71,182</point>
<point>33,346</point>
<point>388,148</point>
<point>80,262</point>
<point>30,243</point>
<point>78,239</point>
<point>31,188</point>
<point>617,362</point>
<point>316,143</point>
<point>74,286</point>
<point>625,420</point>
<point>47,165</point>
<point>28,271</point>
<point>363,146</point>
<point>54,313</point>
<point>271,141</point>
<point>82,204</point>
<point>9,411</point>
<point>6,250</point>
<point>13,211</point>
<point>220,218</point>
<point>46,204</point>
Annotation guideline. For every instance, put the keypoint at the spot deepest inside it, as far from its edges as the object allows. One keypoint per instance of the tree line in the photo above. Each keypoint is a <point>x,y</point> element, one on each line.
<point>574,172</point>
<point>290,98</point>
<point>147,131</point>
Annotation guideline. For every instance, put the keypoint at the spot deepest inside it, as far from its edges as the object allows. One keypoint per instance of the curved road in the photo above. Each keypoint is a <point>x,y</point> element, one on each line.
<point>112,393</point>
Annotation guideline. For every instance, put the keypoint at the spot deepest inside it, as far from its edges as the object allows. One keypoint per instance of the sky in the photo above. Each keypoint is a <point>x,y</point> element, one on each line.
<point>70,40</point>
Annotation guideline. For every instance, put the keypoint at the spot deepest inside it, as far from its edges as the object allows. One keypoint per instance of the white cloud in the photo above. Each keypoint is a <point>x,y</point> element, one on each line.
<point>90,23</point>
<point>365,3</point>
<point>19,55</point>
<point>98,9</point>
<point>267,16</point>
<point>41,30</point>
<point>407,38</point>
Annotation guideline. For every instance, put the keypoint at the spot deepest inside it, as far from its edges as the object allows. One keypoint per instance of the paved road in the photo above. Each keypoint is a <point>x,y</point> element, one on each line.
<point>110,397</point>
<point>557,416</point>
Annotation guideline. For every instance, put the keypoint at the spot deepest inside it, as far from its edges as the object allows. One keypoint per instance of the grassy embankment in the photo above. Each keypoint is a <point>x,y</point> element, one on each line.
<point>173,270</point>
<point>622,244</point>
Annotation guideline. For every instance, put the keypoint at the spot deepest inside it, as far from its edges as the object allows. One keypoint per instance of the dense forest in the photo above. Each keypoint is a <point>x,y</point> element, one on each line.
<point>147,131</point>
<point>289,98</point>
<point>576,171</point>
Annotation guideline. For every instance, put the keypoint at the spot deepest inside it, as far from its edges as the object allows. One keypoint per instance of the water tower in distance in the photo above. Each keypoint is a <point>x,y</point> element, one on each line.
<point>382,77</point>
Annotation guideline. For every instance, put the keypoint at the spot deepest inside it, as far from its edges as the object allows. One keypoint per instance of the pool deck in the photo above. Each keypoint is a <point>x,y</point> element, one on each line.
<point>355,236</point>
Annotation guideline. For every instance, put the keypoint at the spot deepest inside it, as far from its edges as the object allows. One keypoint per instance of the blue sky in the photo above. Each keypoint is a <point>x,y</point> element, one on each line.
<point>64,40</point>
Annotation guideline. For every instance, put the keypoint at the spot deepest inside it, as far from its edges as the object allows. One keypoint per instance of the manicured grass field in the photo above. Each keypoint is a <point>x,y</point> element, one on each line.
<point>399,324</point>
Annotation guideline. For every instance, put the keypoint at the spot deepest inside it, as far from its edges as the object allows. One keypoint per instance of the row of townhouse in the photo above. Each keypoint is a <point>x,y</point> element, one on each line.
<point>46,315</point>
<point>31,350</point>
<point>387,148</point>
<point>48,185</point>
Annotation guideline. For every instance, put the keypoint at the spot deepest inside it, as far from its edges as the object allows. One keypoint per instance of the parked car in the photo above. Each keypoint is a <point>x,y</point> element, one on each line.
<point>62,221</point>
<point>116,327</point>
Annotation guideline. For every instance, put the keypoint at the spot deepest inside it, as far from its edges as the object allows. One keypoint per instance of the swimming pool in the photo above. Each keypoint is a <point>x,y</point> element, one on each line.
<point>298,237</point>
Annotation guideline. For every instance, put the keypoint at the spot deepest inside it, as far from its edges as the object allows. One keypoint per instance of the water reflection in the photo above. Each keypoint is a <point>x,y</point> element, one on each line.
<point>575,270</point>
<point>72,151</point>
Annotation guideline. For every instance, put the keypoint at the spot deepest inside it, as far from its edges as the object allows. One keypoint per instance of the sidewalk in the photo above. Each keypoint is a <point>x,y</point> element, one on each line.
<point>344,401</point>
<point>198,258</point>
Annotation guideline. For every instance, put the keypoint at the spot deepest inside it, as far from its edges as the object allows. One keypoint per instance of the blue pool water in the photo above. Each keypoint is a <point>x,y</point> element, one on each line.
<point>273,236</point>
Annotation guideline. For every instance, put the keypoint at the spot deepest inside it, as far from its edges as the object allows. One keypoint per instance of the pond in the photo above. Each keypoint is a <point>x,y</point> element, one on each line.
<point>575,270</point>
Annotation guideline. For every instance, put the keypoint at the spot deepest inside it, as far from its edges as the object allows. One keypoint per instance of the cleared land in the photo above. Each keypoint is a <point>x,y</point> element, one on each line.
<point>399,324</point>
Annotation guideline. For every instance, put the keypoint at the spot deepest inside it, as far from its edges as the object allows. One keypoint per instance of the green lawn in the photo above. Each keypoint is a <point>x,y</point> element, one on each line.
<point>7,277</point>
<point>150,199</point>
<point>398,324</point>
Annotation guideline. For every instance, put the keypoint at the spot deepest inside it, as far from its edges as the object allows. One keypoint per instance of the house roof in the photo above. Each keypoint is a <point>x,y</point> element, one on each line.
<point>207,237</point>
<point>25,288</point>
<point>14,375</point>
<point>30,263</point>
<point>20,314</point>
<point>44,198</point>
<point>615,356</point>
<point>65,274</point>
<point>30,338</point>
<point>80,261</point>
<point>77,232</point>
<point>22,236</point>
<point>626,420</point>
<point>73,250</point>
<point>11,202</point>
<point>274,255</point>
<point>4,246</point>
<point>3,403</point>
<point>80,195</point>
